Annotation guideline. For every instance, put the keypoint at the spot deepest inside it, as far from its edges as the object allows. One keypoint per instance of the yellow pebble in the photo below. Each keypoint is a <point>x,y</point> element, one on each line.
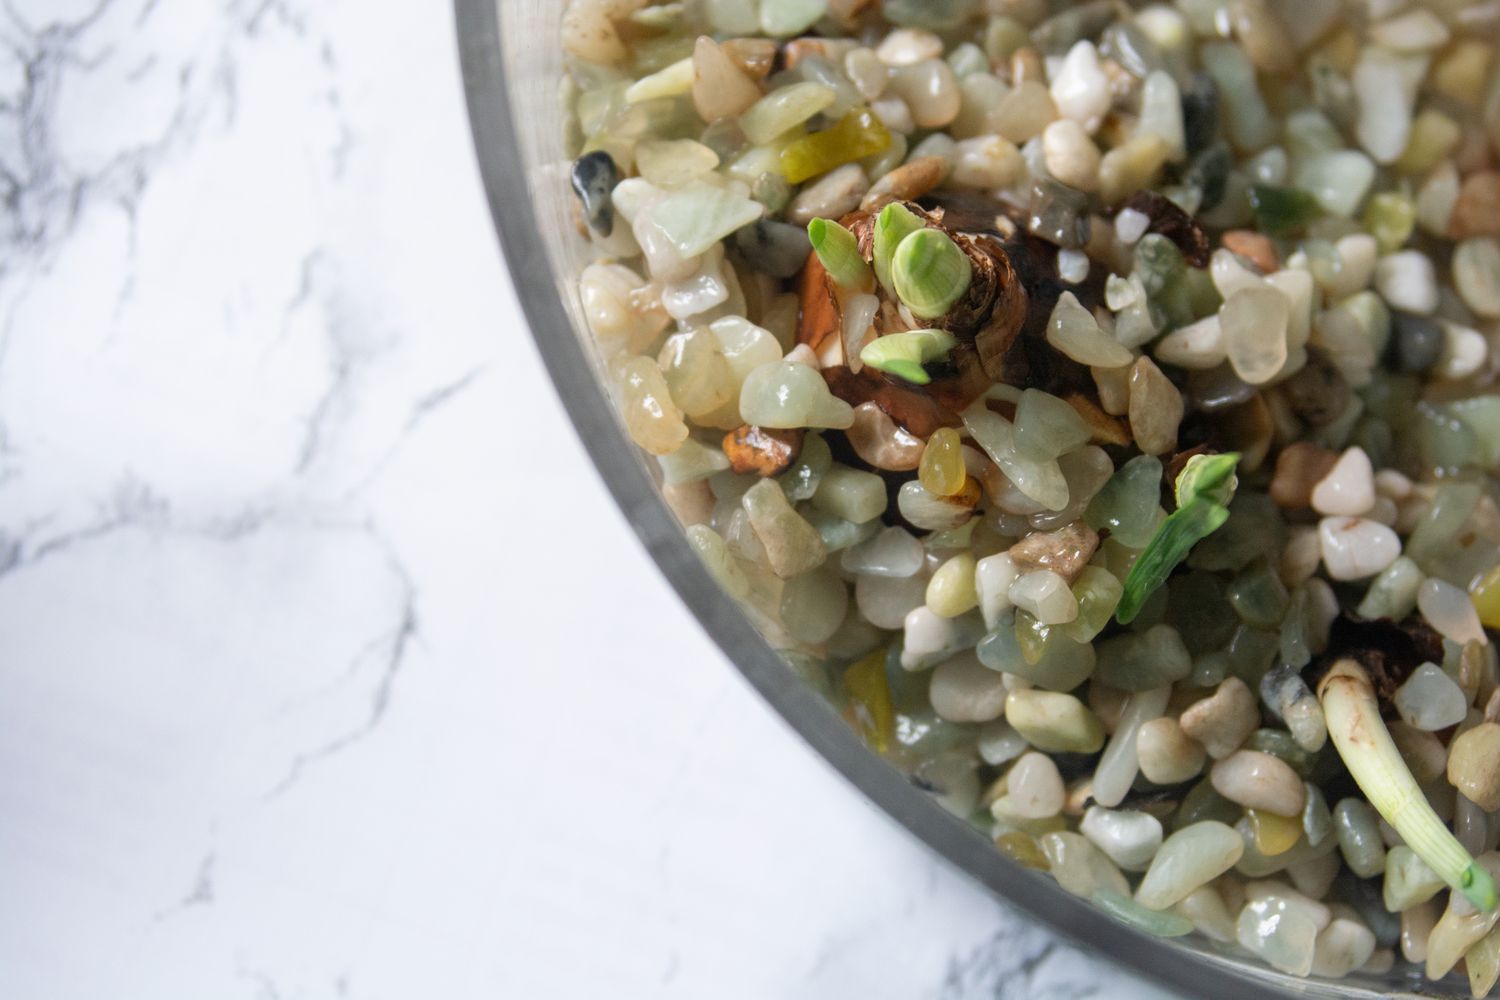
<point>942,471</point>
<point>1433,136</point>
<point>1486,598</point>
<point>870,708</point>
<point>1462,71</point>
<point>858,134</point>
<point>1022,848</point>
<point>1273,834</point>
<point>951,590</point>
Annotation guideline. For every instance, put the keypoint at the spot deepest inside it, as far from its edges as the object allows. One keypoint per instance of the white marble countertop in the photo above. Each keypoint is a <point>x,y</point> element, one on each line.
<point>293,701</point>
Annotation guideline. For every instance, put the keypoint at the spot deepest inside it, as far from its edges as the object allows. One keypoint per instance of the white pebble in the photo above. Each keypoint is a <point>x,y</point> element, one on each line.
<point>1407,281</point>
<point>1356,547</point>
<point>1259,781</point>
<point>1035,787</point>
<point>1464,352</point>
<point>1080,90</point>
<point>964,690</point>
<point>1357,255</point>
<point>1430,700</point>
<point>1416,31</point>
<point>1343,946</point>
<point>1046,595</point>
<point>999,742</point>
<point>993,576</point>
<point>1449,610</point>
<point>1191,857</point>
<point>1348,489</point>
<point>1070,154</point>
<point>1072,266</point>
<point>1129,838</point>
<point>1131,225</point>
<point>929,638</point>
<point>894,552</point>
<point>1198,346</point>
<point>906,46</point>
<point>1284,936</point>
<point>1385,104</point>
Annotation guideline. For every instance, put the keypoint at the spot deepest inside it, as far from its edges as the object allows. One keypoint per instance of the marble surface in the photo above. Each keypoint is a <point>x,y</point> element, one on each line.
<point>294,540</point>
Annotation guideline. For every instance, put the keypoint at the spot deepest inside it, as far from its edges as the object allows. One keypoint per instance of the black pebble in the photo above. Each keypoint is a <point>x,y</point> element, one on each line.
<point>1200,112</point>
<point>1209,173</point>
<point>594,178</point>
<point>1418,342</point>
<point>775,248</point>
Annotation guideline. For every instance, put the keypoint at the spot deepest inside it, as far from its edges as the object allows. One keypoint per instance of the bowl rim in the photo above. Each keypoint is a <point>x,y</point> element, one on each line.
<point>1157,961</point>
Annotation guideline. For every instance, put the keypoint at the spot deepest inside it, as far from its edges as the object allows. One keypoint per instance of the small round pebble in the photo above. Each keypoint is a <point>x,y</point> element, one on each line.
<point>1224,720</point>
<point>1356,547</point>
<point>1407,281</point>
<point>1471,765</point>
<point>1193,856</point>
<point>1129,837</point>
<point>1429,699</point>
<point>1259,781</point>
<point>1167,755</point>
<point>1449,610</point>
<point>1349,487</point>
<point>964,690</point>
<point>1035,787</point>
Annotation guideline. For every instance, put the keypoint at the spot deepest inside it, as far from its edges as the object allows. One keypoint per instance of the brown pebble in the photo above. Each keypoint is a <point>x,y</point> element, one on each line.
<point>761,450</point>
<point>1477,212</point>
<point>1255,247</point>
<point>907,182</point>
<point>1156,408</point>
<point>1317,393</point>
<point>1299,467</point>
<point>1026,64</point>
<point>1474,765</point>
<point>756,56</point>
<point>879,440</point>
<point>1064,551</point>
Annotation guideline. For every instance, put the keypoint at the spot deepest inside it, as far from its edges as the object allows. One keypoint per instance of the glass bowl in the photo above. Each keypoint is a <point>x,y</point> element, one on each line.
<point>512,69</point>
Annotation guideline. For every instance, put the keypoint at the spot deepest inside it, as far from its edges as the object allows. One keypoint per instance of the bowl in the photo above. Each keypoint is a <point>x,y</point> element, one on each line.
<point>512,69</point>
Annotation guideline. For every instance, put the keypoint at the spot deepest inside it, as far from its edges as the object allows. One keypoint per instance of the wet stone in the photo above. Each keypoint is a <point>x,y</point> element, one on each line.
<point>1418,341</point>
<point>594,178</point>
<point>1200,112</point>
<point>774,248</point>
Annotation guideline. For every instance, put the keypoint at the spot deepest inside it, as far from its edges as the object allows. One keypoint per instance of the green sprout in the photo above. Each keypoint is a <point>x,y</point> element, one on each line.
<point>904,354</point>
<point>930,273</point>
<point>838,250</point>
<point>894,223</point>
<point>1364,743</point>
<point>1203,488</point>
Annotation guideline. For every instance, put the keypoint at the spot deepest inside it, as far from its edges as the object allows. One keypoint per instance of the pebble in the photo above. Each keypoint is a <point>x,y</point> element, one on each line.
<point>1071,155</point>
<point>1429,699</point>
<point>720,88</point>
<point>1407,281</point>
<point>866,71</point>
<point>908,46</point>
<point>1357,827</point>
<point>792,545</point>
<point>1343,946</point>
<point>886,601</point>
<point>1416,927</point>
<point>1408,880</point>
<point>1282,935</point>
<point>964,690</point>
<point>1419,342</point>
<point>1128,837</point>
<point>1156,408</point>
<point>894,552</point>
<point>1023,112</point>
<point>986,162</point>
<point>1339,180</point>
<point>1140,661</point>
<point>1464,351</point>
<point>1131,225</point>
<point>907,182</point>
<point>1356,547</point>
<point>1192,857</point>
<point>1073,330</point>
<point>1167,755</point>
<point>1199,346</point>
<point>1449,610</point>
<point>1385,104</point>
<point>1476,275</point>
<point>774,248</point>
<point>1079,867</point>
<point>1224,720</point>
<point>1477,211</point>
<point>1259,781</point>
<point>930,91</point>
<point>1255,322</point>
<point>1117,768</point>
<point>880,441</point>
<point>1054,722</point>
<point>786,395</point>
<point>1046,595</point>
<point>1471,765</point>
<point>999,742</point>
<point>1034,786</point>
<point>832,196</point>
<point>784,109</point>
<point>951,592</point>
<point>1300,467</point>
<point>1080,88</point>
<point>993,576</point>
<point>1205,908</point>
<point>1418,30</point>
<point>1161,113</point>
<point>1131,166</point>
<point>1348,488</point>
<point>928,638</point>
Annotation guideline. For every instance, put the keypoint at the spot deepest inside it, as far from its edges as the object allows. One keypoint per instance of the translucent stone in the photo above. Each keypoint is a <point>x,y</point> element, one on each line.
<point>942,470</point>
<point>1254,321</point>
<point>951,592</point>
<point>1079,867</point>
<point>787,395</point>
<point>1192,857</point>
<point>1449,610</point>
<point>1430,700</point>
<point>1080,88</point>
<point>701,215</point>
<point>1476,275</point>
<point>929,89</point>
<point>793,546</point>
<point>1198,346</point>
<point>609,293</point>
<point>652,419</point>
<point>886,601</point>
<point>1258,596</point>
<point>1071,155</point>
<point>993,576</point>
<point>1385,104</point>
<point>1281,935</point>
<point>1408,880</point>
<point>1339,179</point>
<point>1349,487</point>
<point>1161,113</point>
<point>691,462</point>
<point>858,134</point>
<point>933,513</point>
<point>1130,167</point>
<point>1046,427</point>
<point>1097,592</point>
<point>964,690</point>
<point>813,606</point>
<point>1128,503</point>
<point>1054,722</point>
<point>1355,548</point>
<point>1258,780</point>
<point>1128,837</point>
<point>852,494</point>
<point>1407,281</point>
<point>698,375</point>
<point>869,692</point>
<point>783,18</point>
<point>1273,834</point>
<point>1042,481</point>
<point>1251,126</point>
<point>1119,763</point>
<point>1211,918</point>
<point>1132,914</point>
<point>1034,787</point>
<point>1073,330</point>
<point>1140,661</point>
<point>999,742</point>
<point>894,552</point>
<point>1085,470</point>
<point>1156,408</point>
<point>928,639</point>
<point>672,163</point>
<point>719,561</point>
<point>1046,595</point>
<point>784,109</point>
<point>720,88</point>
<point>802,478</point>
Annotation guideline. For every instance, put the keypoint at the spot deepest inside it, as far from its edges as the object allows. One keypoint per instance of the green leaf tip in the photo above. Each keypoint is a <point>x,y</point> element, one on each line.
<point>838,250</point>
<point>894,223</point>
<point>1478,887</point>
<point>930,273</point>
<point>904,354</point>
